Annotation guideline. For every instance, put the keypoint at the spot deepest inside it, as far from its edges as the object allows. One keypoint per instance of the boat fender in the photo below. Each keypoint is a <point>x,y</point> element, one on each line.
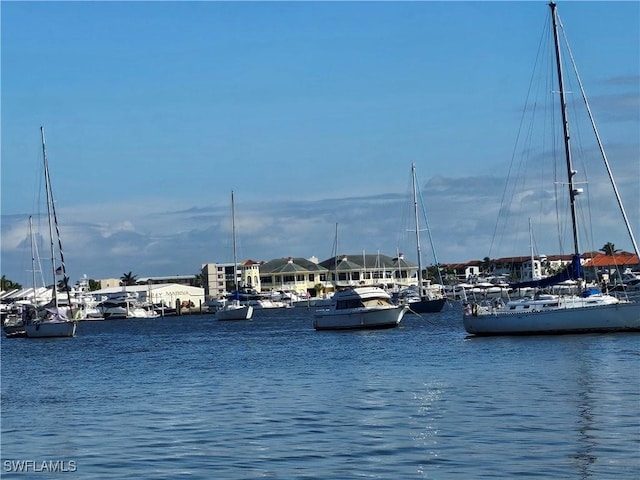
<point>475,309</point>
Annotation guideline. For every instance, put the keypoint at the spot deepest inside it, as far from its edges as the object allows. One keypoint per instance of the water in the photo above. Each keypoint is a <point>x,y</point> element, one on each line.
<point>191,397</point>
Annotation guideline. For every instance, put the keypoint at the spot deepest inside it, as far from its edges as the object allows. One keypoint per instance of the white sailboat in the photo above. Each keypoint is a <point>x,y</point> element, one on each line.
<point>425,298</point>
<point>53,321</point>
<point>234,310</point>
<point>591,311</point>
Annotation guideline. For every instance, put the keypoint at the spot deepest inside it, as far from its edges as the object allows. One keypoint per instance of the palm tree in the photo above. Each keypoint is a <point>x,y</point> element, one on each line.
<point>6,284</point>
<point>609,249</point>
<point>128,279</point>
<point>486,265</point>
<point>63,285</point>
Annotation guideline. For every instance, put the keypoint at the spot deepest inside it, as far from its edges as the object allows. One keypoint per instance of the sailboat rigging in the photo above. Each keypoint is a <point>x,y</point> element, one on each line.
<point>234,310</point>
<point>426,299</point>
<point>54,321</point>
<point>545,313</point>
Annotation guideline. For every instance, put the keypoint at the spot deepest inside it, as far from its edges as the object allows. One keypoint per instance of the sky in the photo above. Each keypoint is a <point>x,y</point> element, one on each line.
<point>311,112</point>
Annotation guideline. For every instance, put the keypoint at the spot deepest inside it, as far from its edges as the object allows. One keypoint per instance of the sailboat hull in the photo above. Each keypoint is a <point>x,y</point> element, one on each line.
<point>364,319</point>
<point>50,329</point>
<point>619,317</point>
<point>427,306</point>
<point>241,312</point>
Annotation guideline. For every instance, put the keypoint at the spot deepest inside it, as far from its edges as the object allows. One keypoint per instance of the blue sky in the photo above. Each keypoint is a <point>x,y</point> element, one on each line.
<point>312,112</point>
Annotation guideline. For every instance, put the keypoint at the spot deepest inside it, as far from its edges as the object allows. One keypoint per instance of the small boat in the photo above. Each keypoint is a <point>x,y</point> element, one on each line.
<point>359,308</point>
<point>546,313</point>
<point>126,307</point>
<point>234,310</point>
<point>13,326</point>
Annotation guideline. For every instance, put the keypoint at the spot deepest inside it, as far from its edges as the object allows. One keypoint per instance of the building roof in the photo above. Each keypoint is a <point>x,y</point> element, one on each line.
<point>145,288</point>
<point>368,262</point>
<point>166,277</point>
<point>617,260</point>
<point>290,265</point>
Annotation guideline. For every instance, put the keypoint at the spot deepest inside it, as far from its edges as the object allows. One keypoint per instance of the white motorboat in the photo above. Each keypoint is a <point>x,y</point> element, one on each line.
<point>126,306</point>
<point>590,311</point>
<point>359,308</point>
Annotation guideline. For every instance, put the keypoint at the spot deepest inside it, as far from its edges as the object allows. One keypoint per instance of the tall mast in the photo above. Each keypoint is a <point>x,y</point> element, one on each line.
<point>47,186</point>
<point>233,232</point>
<point>415,212</point>
<point>53,221</point>
<point>33,262</point>
<point>533,276</point>
<point>565,128</point>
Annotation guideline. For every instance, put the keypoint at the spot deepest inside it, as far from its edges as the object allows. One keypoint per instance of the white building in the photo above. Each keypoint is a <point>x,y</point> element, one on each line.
<point>167,293</point>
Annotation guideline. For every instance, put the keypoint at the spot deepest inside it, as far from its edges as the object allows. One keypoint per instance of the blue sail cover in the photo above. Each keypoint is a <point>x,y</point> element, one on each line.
<point>572,272</point>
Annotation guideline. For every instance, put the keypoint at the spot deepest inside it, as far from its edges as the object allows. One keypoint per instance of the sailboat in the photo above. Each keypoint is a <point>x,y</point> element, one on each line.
<point>423,299</point>
<point>546,313</point>
<point>53,321</point>
<point>234,310</point>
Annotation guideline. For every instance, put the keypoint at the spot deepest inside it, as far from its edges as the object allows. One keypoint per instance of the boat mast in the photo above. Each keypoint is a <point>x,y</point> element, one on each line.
<point>233,233</point>
<point>533,276</point>
<point>33,262</point>
<point>47,186</point>
<point>415,211</point>
<point>53,220</point>
<point>565,128</point>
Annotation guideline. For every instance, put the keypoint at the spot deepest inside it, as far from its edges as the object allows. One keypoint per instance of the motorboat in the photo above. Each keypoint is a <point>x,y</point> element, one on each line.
<point>359,308</point>
<point>126,305</point>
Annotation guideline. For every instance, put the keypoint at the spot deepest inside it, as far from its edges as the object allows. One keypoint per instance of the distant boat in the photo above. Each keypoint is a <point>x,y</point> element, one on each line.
<point>359,308</point>
<point>590,311</point>
<point>53,322</point>
<point>126,305</point>
<point>234,310</point>
<point>13,321</point>
<point>423,298</point>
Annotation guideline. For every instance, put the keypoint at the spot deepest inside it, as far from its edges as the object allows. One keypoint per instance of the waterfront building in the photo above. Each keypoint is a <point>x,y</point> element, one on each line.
<point>304,277</point>
<point>391,273</point>
<point>166,293</point>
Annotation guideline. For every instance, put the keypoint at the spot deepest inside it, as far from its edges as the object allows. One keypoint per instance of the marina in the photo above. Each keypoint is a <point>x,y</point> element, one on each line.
<point>245,349</point>
<point>193,397</point>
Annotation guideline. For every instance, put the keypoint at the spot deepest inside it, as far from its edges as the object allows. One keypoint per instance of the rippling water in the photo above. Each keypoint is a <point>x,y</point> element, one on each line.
<point>191,397</point>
